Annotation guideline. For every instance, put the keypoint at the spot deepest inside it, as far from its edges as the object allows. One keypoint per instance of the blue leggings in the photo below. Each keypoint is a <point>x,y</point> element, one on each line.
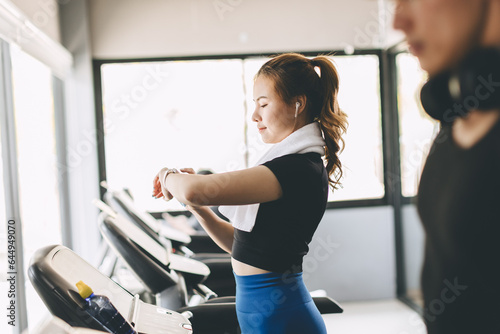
<point>276,303</point>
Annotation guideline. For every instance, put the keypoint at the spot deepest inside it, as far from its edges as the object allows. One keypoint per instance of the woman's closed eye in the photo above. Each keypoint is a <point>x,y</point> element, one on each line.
<point>263,106</point>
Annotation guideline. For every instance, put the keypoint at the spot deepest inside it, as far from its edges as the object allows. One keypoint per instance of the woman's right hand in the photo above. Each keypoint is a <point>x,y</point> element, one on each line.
<point>159,189</point>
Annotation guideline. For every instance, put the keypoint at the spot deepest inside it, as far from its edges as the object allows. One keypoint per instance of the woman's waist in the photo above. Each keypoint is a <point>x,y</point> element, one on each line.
<point>278,289</point>
<point>256,260</point>
<point>259,279</point>
<point>243,269</point>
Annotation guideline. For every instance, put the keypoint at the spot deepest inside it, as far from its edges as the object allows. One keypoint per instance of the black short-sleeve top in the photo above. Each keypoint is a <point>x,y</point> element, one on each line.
<point>284,227</point>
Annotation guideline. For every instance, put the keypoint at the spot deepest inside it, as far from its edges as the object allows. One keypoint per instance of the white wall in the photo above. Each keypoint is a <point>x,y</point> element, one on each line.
<point>160,28</point>
<point>81,146</point>
<point>352,255</point>
<point>44,14</point>
<point>414,240</point>
<point>390,36</point>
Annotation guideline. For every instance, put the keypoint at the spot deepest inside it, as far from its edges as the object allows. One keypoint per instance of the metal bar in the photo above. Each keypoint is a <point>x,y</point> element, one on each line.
<point>99,121</point>
<point>62,161</point>
<point>17,28</point>
<point>392,169</point>
<point>356,52</point>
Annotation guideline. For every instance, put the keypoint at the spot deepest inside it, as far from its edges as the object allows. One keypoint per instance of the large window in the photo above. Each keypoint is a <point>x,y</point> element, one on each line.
<point>359,97</point>
<point>176,114</point>
<point>362,159</point>
<point>37,163</point>
<point>417,130</point>
<point>197,114</point>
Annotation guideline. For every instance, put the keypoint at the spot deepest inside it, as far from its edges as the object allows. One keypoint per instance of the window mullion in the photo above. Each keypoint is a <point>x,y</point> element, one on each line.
<point>62,161</point>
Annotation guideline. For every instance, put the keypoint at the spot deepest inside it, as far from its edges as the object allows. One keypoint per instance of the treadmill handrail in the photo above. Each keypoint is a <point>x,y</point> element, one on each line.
<point>145,220</point>
<point>155,275</point>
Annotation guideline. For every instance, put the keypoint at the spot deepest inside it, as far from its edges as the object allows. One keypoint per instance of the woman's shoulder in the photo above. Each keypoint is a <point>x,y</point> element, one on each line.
<point>297,161</point>
<point>310,157</point>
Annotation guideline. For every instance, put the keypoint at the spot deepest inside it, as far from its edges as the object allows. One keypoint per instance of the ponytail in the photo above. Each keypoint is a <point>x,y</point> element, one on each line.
<point>295,75</point>
<point>332,119</point>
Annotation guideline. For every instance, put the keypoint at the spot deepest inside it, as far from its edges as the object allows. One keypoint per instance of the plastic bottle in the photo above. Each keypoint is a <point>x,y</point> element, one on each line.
<point>101,309</point>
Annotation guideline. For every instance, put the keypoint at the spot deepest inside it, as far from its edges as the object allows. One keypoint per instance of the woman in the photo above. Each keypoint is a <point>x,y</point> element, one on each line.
<point>276,206</point>
<point>458,43</point>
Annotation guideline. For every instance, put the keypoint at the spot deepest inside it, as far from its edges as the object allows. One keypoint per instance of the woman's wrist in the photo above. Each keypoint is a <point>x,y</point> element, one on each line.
<point>167,173</point>
<point>162,177</point>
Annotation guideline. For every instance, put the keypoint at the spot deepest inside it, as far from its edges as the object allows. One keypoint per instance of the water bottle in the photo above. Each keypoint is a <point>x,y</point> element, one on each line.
<point>101,309</point>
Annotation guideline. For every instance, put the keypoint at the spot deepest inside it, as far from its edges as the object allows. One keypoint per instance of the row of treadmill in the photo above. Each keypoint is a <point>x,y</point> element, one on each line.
<point>162,280</point>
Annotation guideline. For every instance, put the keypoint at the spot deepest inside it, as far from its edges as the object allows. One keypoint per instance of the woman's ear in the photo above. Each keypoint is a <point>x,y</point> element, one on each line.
<point>300,104</point>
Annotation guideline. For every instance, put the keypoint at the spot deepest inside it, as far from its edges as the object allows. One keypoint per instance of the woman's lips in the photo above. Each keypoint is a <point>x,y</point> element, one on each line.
<point>261,129</point>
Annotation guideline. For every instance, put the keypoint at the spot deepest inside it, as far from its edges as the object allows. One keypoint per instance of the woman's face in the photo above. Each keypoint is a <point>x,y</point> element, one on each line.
<point>275,119</point>
<point>439,32</point>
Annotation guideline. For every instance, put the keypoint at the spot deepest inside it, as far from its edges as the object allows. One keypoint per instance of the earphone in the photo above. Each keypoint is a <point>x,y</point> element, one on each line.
<point>297,105</point>
<point>472,85</point>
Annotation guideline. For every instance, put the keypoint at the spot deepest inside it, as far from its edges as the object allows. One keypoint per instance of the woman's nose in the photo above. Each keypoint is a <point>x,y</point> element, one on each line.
<point>255,115</point>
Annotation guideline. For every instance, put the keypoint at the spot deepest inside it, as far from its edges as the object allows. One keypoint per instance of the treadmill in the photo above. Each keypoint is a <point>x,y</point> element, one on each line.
<point>54,271</point>
<point>221,279</point>
<point>173,280</point>
<point>151,266</point>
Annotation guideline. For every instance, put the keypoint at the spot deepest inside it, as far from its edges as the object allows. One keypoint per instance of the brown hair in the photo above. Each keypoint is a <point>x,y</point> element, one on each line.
<point>295,75</point>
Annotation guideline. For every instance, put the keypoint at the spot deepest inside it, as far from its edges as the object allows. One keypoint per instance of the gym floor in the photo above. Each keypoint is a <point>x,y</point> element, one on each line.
<point>375,317</point>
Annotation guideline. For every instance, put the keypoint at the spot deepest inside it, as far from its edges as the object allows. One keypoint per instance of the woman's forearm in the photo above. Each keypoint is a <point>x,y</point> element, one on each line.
<point>219,230</point>
<point>247,186</point>
<point>186,189</point>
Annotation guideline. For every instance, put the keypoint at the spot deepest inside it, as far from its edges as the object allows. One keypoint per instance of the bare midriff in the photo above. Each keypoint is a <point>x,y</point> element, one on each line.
<point>243,269</point>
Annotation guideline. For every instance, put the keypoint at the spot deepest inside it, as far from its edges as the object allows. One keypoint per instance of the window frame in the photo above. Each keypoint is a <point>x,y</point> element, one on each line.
<point>395,52</point>
<point>101,153</point>
<point>390,72</point>
<point>11,172</point>
<point>388,84</point>
<point>11,181</point>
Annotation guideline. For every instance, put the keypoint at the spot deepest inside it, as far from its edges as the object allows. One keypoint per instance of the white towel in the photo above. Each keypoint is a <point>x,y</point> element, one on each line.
<point>305,140</point>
